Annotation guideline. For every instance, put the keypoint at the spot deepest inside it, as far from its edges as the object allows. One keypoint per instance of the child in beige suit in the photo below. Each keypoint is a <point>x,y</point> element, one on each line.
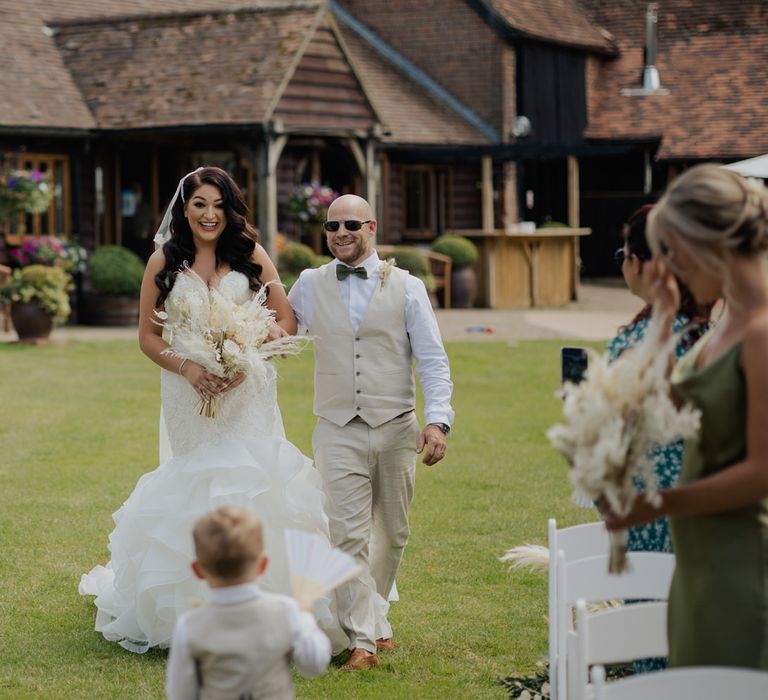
<point>241,643</point>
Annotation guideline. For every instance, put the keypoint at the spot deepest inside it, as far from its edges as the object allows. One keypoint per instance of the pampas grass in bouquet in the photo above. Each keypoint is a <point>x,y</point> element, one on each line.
<point>316,567</point>
<point>612,419</point>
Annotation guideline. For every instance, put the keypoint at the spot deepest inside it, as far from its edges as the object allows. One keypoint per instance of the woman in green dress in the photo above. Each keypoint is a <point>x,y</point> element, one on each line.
<point>710,229</point>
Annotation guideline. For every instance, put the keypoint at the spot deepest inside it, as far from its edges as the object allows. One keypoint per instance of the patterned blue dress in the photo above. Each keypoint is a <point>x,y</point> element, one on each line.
<point>667,461</point>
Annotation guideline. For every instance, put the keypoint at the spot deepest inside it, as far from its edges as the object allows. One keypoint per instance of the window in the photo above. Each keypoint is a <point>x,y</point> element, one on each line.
<point>57,219</point>
<point>425,202</point>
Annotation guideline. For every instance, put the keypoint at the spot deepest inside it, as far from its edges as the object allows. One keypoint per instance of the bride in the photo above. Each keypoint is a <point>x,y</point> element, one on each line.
<point>240,456</point>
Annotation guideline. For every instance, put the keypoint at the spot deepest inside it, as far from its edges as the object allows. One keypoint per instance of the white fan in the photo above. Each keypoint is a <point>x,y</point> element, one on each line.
<point>315,566</point>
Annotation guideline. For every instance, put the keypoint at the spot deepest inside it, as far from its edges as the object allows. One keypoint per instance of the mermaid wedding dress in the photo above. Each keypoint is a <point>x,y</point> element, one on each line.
<point>239,457</point>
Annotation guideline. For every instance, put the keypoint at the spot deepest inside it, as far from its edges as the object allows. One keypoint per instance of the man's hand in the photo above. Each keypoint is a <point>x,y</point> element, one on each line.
<point>433,439</point>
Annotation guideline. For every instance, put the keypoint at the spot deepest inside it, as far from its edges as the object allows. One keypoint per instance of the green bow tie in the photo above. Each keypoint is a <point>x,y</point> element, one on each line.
<point>342,272</point>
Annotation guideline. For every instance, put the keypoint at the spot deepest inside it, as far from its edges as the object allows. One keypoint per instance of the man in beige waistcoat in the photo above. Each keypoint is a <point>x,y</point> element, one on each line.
<point>370,321</point>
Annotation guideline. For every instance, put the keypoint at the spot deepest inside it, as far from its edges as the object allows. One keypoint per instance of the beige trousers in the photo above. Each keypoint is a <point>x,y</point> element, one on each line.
<point>368,478</point>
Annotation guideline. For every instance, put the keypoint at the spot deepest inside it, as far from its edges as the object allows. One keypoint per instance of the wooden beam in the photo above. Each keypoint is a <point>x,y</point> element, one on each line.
<point>155,191</point>
<point>117,194</point>
<point>573,192</point>
<point>270,152</point>
<point>573,221</point>
<point>486,166</point>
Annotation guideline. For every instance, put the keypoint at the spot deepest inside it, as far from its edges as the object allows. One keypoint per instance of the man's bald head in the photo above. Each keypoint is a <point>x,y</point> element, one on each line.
<point>350,203</point>
<point>349,246</point>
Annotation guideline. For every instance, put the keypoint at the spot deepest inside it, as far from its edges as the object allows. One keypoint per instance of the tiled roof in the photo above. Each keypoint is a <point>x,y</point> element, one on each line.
<point>32,69</point>
<point>409,114</point>
<point>714,65</point>
<point>560,21</point>
<point>207,68</point>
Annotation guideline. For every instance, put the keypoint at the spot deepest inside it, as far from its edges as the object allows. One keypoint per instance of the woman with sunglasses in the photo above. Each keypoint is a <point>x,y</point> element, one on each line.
<point>710,230</point>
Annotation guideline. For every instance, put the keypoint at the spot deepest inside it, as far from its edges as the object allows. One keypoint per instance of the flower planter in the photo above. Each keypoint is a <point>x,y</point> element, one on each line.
<point>463,287</point>
<point>109,311</point>
<point>30,321</point>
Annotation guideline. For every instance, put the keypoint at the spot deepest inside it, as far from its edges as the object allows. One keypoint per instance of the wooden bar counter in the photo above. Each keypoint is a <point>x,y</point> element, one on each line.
<point>517,270</point>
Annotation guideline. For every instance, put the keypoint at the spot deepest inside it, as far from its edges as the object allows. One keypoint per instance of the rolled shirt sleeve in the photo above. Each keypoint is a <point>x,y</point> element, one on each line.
<point>431,360</point>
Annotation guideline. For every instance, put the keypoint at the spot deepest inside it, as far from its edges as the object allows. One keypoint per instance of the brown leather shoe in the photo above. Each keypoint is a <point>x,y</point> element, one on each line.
<point>387,644</point>
<point>360,660</point>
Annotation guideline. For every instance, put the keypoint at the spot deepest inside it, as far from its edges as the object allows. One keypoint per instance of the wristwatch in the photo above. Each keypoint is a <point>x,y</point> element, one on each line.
<point>443,427</point>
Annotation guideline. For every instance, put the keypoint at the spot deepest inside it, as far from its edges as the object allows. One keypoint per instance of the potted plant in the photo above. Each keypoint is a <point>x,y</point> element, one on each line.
<point>111,297</point>
<point>39,297</point>
<point>463,254</point>
<point>309,203</point>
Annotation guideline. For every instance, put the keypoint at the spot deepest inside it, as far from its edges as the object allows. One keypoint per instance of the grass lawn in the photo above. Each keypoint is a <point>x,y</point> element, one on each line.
<point>78,426</point>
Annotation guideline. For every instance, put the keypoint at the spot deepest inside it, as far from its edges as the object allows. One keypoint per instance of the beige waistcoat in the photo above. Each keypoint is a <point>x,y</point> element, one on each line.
<point>368,373</point>
<point>242,650</point>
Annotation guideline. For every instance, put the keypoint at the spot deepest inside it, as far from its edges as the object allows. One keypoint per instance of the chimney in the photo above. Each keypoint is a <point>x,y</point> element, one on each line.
<point>651,79</point>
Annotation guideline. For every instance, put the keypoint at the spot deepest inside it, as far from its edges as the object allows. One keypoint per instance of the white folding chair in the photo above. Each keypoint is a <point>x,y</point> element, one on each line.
<point>613,635</point>
<point>648,578</point>
<point>576,542</point>
<point>699,682</point>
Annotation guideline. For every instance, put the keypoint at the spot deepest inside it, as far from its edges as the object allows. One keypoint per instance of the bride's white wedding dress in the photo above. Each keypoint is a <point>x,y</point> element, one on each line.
<point>240,457</point>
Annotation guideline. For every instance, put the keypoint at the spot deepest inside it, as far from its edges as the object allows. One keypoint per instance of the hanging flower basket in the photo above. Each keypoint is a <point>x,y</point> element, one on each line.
<point>24,192</point>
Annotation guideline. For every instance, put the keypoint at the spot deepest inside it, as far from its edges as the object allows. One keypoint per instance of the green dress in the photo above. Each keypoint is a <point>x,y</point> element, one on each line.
<point>718,602</point>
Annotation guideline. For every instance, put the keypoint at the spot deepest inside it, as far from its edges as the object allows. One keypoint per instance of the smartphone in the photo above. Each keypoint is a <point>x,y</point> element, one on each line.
<point>573,364</point>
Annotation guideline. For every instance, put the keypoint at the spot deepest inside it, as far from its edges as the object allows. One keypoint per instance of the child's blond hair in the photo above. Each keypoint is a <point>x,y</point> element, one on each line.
<point>227,541</point>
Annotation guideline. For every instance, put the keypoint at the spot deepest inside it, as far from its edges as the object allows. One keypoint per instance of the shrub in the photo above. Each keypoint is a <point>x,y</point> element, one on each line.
<point>115,271</point>
<point>295,257</point>
<point>288,280</point>
<point>410,259</point>
<point>46,285</point>
<point>460,250</point>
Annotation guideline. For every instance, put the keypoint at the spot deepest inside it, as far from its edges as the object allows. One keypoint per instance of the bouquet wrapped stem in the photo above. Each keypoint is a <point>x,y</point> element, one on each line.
<point>613,419</point>
<point>617,560</point>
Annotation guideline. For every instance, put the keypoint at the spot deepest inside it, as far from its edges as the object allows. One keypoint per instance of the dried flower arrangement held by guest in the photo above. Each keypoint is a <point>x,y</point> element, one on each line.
<point>613,418</point>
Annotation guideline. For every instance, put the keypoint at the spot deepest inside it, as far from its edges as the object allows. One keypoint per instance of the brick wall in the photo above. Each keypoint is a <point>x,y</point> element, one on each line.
<point>447,40</point>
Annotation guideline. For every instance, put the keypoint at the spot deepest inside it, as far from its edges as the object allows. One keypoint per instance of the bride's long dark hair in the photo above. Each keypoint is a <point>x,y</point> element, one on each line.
<point>235,245</point>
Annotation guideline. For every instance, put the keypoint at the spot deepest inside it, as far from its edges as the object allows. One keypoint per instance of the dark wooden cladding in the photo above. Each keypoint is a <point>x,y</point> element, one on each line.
<point>324,92</point>
<point>465,196</point>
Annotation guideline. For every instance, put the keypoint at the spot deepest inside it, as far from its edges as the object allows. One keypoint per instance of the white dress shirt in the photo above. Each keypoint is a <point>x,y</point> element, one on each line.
<point>420,324</point>
<point>311,647</point>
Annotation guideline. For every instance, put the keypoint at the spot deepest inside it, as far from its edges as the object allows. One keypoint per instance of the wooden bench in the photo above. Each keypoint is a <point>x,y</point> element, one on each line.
<point>439,266</point>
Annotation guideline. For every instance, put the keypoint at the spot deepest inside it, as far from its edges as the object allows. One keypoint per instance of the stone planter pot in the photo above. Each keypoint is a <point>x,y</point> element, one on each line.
<point>30,321</point>
<point>109,311</point>
<point>463,287</point>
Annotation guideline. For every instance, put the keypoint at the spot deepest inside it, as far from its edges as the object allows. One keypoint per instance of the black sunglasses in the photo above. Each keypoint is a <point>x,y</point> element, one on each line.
<point>620,256</point>
<point>351,225</point>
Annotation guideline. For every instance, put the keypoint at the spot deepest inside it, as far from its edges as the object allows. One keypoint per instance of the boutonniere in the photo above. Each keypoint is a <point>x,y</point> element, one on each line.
<point>385,267</point>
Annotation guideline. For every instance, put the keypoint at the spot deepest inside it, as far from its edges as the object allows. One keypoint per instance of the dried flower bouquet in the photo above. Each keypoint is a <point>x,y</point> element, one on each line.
<point>613,418</point>
<point>226,338</point>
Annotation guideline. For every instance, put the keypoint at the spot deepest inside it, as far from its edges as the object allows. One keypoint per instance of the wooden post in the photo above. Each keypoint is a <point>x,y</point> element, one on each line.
<point>573,221</point>
<point>486,165</point>
<point>155,191</point>
<point>117,194</point>
<point>371,188</point>
<point>268,159</point>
